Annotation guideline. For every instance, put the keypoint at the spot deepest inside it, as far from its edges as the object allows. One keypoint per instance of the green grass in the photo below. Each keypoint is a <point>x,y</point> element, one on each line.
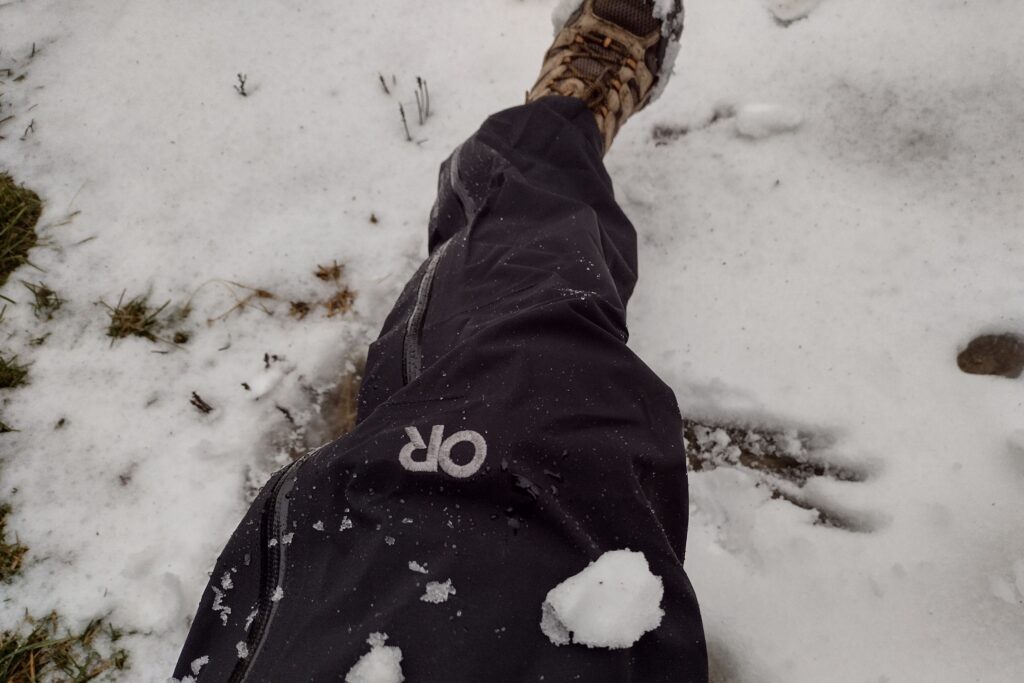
<point>12,373</point>
<point>42,650</point>
<point>11,554</point>
<point>20,209</point>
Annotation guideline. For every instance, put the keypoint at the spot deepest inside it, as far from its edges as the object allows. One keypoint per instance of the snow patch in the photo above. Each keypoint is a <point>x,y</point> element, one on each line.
<point>764,120</point>
<point>417,567</point>
<point>219,606</point>
<point>198,664</point>
<point>550,625</point>
<point>438,592</point>
<point>1018,576</point>
<point>561,13</point>
<point>1002,589</point>
<point>249,619</point>
<point>790,10</point>
<point>267,381</point>
<point>382,664</point>
<point>611,603</point>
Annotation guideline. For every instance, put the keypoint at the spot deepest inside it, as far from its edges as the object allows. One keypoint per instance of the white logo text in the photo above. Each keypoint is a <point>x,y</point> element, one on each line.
<point>439,452</point>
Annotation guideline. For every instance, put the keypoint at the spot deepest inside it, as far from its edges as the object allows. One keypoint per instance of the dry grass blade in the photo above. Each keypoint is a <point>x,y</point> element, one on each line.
<point>11,554</point>
<point>134,318</point>
<point>255,294</point>
<point>331,273</point>
<point>299,309</point>
<point>340,303</point>
<point>346,408</point>
<point>20,209</point>
<point>46,301</point>
<point>200,405</point>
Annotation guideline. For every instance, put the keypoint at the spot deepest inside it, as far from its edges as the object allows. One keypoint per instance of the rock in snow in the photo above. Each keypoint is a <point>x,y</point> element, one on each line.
<point>382,664</point>
<point>611,603</point>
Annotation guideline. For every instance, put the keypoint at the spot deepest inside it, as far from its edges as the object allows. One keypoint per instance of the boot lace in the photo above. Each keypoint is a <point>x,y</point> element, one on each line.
<point>595,60</point>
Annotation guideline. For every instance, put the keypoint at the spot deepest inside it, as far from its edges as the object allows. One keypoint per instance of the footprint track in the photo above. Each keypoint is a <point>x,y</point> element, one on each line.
<point>785,460</point>
<point>786,12</point>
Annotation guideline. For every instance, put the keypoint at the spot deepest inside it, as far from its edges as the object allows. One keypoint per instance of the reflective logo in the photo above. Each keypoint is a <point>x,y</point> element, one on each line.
<point>439,452</point>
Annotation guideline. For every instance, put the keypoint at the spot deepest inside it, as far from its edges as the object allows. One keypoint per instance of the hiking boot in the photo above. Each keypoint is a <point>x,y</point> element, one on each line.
<point>615,55</point>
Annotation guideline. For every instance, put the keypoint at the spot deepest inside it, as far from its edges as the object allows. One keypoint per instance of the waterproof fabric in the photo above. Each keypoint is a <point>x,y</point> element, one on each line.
<point>507,437</point>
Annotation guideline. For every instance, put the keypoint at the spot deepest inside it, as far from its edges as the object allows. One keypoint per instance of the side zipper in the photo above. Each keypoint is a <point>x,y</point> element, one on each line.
<point>412,355</point>
<point>273,525</point>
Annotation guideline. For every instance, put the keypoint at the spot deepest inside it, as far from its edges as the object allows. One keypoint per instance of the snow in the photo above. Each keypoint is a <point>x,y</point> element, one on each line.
<point>382,664</point>
<point>266,381</point>
<point>438,592</point>
<point>791,10</point>
<point>415,566</point>
<point>821,280</point>
<point>219,606</point>
<point>561,12</point>
<point>198,663</point>
<point>761,120</point>
<point>611,603</point>
<point>249,618</point>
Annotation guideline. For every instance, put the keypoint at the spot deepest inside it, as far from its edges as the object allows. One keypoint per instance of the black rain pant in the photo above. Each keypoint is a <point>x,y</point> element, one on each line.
<point>507,437</point>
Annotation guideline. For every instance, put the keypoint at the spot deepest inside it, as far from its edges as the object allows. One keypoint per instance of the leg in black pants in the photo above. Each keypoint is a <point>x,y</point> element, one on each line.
<point>507,437</point>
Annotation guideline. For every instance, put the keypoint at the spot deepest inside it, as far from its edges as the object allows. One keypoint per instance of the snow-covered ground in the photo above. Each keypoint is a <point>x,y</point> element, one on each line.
<point>828,212</point>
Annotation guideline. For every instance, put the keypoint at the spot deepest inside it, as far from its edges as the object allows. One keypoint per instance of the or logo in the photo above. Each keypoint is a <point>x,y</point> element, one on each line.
<point>439,452</point>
